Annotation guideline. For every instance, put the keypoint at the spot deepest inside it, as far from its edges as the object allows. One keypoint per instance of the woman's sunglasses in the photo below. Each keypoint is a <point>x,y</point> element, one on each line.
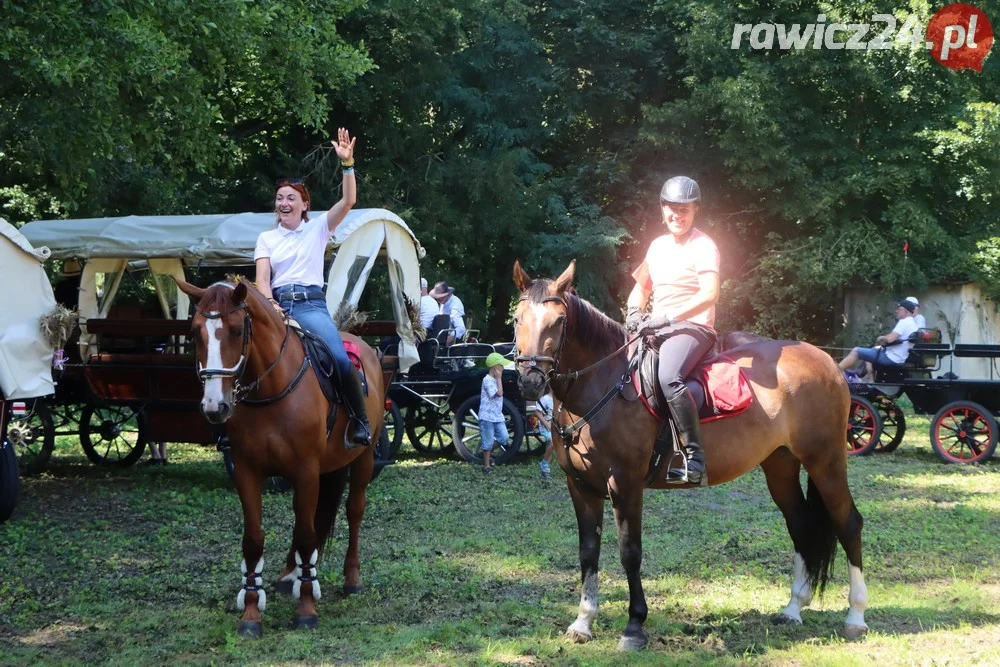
<point>282,182</point>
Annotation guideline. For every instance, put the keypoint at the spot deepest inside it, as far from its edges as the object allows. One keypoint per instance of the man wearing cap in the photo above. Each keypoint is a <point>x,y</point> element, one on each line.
<point>681,274</point>
<point>890,349</point>
<point>428,306</point>
<point>918,319</point>
<point>449,304</point>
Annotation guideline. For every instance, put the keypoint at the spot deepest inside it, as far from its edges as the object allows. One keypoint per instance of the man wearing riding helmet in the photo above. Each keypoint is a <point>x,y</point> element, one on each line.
<point>681,273</point>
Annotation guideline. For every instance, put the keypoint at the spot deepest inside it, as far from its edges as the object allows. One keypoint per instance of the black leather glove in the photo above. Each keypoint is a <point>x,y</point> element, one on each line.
<point>633,320</point>
<point>654,324</point>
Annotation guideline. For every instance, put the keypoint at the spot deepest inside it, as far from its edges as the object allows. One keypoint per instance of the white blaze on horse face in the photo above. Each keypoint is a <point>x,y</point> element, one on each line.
<point>588,607</point>
<point>213,397</point>
<point>801,592</point>
<point>858,599</point>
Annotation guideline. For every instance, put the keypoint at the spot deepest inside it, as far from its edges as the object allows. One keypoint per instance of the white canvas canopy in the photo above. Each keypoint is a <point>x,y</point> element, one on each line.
<point>168,242</point>
<point>25,296</point>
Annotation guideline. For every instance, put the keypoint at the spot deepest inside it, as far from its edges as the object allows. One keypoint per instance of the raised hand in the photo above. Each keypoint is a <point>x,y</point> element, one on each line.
<point>344,145</point>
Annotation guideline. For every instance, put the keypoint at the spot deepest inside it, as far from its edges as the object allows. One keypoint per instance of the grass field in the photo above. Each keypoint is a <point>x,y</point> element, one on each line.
<point>140,566</point>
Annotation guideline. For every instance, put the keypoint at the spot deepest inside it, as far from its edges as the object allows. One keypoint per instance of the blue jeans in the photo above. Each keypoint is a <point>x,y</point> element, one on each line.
<point>493,432</point>
<point>315,318</point>
<point>876,356</point>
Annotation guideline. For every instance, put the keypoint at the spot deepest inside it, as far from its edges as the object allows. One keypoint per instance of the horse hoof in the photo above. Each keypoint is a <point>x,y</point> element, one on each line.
<point>351,590</point>
<point>578,637</point>
<point>786,619</point>
<point>284,587</point>
<point>250,629</point>
<point>632,642</point>
<point>306,622</point>
<point>854,632</point>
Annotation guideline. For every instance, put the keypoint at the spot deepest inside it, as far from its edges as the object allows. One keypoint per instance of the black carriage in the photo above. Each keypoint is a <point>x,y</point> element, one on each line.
<point>437,400</point>
<point>963,423</point>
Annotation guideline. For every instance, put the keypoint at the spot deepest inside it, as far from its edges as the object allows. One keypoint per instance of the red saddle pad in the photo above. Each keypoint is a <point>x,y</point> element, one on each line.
<point>724,381</point>
<point>353,353</point>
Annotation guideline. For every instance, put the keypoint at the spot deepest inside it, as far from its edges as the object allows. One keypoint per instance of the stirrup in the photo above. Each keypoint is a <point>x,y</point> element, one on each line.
<point>362,427</point>
<point>681,476</point>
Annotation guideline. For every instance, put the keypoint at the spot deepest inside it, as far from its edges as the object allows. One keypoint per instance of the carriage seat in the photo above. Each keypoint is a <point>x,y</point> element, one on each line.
<point>470,350</point>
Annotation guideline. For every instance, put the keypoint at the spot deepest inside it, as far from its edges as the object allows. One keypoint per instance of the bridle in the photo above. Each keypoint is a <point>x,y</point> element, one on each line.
<point>240,391</point>
<point>531,361</point>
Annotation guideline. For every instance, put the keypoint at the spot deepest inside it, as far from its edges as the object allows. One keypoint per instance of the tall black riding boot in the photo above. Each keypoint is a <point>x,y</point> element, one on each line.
<point>685,413</point>
<point>358,433</point>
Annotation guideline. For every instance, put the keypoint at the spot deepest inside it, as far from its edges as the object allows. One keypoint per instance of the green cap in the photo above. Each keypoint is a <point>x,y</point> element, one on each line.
<point>495,359</point>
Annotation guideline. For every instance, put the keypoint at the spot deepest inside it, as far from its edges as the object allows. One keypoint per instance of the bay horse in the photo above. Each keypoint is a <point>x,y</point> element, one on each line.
<point>257,381</point>
<point>798,418</point>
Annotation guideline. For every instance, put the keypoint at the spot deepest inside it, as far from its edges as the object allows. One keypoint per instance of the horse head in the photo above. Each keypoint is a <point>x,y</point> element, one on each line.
<point>220,330</point>
<point>540,328</point>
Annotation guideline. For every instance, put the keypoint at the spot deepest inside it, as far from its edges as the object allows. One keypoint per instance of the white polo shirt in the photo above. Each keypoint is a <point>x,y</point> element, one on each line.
<point>296,255</point>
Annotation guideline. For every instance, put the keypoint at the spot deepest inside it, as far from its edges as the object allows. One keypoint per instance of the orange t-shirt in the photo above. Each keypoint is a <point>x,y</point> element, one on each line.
<point>670,271</point>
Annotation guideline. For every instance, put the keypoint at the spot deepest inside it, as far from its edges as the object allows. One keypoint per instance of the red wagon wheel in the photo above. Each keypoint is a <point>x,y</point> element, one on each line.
<point>964,432</point>
<point>864,427</point>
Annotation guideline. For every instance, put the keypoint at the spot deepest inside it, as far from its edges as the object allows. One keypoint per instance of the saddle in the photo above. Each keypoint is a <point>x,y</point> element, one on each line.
<point>325,366</point>
<point>718,385</point>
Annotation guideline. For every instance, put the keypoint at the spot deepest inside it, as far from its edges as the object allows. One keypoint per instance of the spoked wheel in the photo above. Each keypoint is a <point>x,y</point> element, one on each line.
<point>893,424</point>
<point>393,428</point>
<point>469,441</point>
<point>112,436</point>
<point>429,429</point>
<point>33,437</point>
<point>964,432</point>
<point>863,428</point>
<point>66,418</point>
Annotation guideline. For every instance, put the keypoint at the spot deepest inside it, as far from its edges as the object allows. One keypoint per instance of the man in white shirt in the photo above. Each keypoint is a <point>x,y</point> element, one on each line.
<point>892,348</point>
<point>428,306</point>
<point>918,319</point>
<point>449,304</point>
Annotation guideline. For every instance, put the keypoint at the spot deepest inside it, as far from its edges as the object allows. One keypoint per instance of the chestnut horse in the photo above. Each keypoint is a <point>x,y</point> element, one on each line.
<point>258,382</point>
<point>798,419</point>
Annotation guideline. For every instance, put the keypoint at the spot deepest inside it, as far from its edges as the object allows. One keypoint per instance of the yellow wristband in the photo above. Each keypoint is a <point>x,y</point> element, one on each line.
<point>349,163</point>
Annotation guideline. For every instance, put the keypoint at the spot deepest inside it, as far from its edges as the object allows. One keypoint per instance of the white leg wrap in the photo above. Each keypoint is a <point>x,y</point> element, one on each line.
<point>300,577</point>
<point>254,580</point>
<point>857,598</point>
<point>801,592</point>
<point>588,606</point>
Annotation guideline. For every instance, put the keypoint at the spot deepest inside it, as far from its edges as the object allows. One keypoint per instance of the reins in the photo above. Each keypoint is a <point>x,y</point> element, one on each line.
<point>531,363</point>
<point>240,391</point>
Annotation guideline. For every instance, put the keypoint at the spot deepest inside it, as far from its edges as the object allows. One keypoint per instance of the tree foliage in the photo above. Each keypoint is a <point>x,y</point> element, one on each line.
<point>516,129</point>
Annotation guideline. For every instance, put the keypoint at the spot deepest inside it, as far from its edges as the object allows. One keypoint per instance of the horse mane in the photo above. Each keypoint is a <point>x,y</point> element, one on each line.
<point>584,320</point>
<point>216,297</point>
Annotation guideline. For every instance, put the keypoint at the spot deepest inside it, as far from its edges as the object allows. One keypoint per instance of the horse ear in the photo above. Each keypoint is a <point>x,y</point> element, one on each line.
<point>563,282</point>
<point>192,291</point>
<point>240,293</point>
<point>521,278</point>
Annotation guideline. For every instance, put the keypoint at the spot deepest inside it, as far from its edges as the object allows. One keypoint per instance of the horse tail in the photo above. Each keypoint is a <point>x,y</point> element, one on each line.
<point>819,539</point>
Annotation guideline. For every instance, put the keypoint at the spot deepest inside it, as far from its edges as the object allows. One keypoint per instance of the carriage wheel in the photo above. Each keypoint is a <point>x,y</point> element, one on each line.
<point>468,441</point>
<point>893,424</point>
<point>964,432</point>
<point>393,428</point>
<point>66,418</point>
<point>33,438</point>
<point>112,436</point>
<point>10,483</point>
<point>864,427</point>
<point>429,429</point>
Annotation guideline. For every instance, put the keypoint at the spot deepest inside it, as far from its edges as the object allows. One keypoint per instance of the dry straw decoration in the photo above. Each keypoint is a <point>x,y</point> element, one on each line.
<point>58,324</point>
